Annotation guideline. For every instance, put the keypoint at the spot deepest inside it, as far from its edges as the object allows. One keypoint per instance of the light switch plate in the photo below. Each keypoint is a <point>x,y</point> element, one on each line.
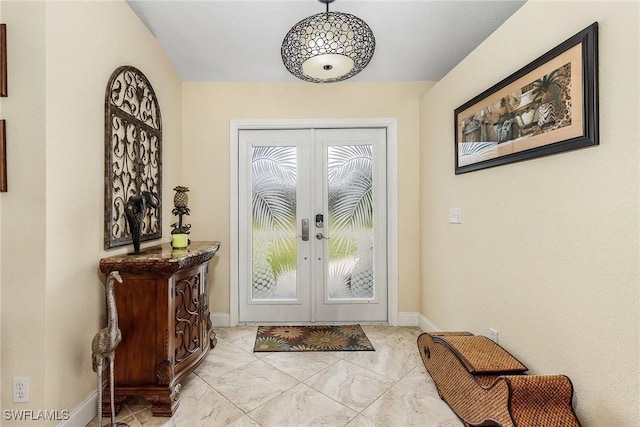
<point>455,215</point>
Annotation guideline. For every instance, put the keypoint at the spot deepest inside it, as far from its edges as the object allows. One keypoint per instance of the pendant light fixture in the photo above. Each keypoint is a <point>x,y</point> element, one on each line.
<point>328,47</point>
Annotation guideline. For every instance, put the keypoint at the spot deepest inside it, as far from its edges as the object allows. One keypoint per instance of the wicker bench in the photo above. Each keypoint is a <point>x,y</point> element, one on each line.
<point>486,386</point>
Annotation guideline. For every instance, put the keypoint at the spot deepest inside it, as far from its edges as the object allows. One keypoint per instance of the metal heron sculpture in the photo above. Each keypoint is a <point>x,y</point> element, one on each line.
<point>103,346</point>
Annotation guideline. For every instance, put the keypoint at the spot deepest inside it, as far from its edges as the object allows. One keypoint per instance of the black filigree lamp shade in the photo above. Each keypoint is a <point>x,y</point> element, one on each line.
<point>328,47</point>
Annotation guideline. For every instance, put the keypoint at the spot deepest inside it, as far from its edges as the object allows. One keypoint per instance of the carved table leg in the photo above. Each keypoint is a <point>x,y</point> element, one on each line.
<point>106,401</point>
<point>166,403</point>
<point>212,338</point>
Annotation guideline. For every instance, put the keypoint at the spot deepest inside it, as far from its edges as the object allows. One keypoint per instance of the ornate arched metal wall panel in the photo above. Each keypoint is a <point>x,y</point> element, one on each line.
<point>133,154</point>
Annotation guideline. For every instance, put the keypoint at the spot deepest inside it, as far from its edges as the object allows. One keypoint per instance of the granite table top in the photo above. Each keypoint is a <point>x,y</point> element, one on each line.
<point>160,259</point>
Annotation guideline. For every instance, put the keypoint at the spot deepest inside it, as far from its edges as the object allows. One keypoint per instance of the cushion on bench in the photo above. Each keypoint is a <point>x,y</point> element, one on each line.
<point>480,355</point>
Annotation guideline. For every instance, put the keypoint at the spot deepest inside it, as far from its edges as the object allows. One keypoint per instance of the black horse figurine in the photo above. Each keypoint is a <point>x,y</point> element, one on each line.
<point>135,210</point>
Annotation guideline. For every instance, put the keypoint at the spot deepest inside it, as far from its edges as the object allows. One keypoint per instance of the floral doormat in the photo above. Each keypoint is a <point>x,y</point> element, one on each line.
<point>312,338</point>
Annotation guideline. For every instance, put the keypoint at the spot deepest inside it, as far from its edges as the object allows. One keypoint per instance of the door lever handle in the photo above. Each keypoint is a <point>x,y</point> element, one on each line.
<point>321,236</point>
<point>305,229</point>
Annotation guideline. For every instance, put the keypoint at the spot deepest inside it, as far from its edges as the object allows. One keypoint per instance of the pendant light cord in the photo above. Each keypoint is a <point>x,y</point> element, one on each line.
<point>327,3</point>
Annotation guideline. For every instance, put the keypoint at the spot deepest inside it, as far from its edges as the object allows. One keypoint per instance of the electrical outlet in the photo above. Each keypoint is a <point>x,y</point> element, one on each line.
<point>493,335</point>
<point>20,389</point>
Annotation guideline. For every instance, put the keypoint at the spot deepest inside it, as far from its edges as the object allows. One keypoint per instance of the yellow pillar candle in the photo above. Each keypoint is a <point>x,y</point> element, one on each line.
<point>179,240</point>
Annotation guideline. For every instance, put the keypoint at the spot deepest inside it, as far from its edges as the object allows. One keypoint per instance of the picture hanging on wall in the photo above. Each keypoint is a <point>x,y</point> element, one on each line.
<point>3,60</point>
<point>3,157</point>
<point>547,107</point>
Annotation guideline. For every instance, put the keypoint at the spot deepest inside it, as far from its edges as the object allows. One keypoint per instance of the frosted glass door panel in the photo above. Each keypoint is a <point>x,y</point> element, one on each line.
<point>273,207</point>
<point>350,203</point>
<point>274,276</point>
<point>350,190</point>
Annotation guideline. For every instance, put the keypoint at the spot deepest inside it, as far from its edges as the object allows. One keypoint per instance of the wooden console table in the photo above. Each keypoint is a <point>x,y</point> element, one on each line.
<point>163,315</point>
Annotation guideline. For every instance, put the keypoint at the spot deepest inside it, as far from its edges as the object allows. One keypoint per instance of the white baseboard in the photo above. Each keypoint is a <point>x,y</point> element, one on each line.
<point>408,319</point>
<point>427,325</point>
<point>417,319</point>
<point>220,320</point>
<point>82,414</point>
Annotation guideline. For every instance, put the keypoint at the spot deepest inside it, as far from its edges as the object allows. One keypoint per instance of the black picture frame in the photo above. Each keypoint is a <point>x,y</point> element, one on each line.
<point>3,60</point>
<point>3,156</point>
<point>547,107</point>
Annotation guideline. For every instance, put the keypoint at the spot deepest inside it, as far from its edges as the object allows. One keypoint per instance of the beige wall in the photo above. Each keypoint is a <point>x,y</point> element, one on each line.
<point>547,253</point>
<point>207,111</point>
<point>23,213</point>
<point>61,55</point>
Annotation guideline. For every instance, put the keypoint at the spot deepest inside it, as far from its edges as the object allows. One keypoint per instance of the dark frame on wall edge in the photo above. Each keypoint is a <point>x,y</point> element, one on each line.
<point>3,60</point>
<point>3,157</point>
<point>509,122</point>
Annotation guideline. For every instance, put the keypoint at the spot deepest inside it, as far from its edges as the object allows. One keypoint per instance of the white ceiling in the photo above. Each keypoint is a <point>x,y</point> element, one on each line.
<point>240,40</point>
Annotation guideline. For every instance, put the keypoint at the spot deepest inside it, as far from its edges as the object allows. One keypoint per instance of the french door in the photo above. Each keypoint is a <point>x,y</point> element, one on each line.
<point>312,225</point>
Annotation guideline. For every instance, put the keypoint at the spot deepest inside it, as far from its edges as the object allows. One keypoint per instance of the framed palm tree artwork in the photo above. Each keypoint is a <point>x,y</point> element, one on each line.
<point>548,106</point>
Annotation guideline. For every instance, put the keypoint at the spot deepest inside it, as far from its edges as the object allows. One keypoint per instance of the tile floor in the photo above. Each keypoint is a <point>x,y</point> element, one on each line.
<point>236,387</point>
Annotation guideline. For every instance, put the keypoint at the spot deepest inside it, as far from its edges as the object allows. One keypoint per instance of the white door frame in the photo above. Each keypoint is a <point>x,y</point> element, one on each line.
<point>390,124</point>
